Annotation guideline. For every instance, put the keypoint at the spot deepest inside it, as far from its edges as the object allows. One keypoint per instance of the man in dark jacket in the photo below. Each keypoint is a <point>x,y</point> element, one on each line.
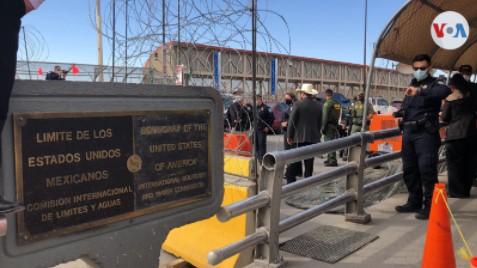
<point>264,125</point>
<point>459,115</point>
<point>420,138</point>
<point>466,71</point>
<point>239,114</point>
<point>56,74</point>
<point>304,128</point>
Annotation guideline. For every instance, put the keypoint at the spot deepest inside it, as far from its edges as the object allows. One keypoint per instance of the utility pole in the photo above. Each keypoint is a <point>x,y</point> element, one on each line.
<point>179,31</point>
<point>99,40</point>
<point>254,82</point>
<point>164,67</point>
<point>364,49</point>
<point>114,39</point>
<point>365,86</point>
<point>126,45</point>
<point>26,52</point>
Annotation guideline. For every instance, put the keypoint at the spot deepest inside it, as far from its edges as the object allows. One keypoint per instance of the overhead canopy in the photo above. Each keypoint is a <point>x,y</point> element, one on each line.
<point>409,33</point>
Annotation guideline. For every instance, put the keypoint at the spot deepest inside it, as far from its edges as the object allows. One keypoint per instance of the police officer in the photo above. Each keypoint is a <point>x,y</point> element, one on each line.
<point>264,125</point>
<point>331,117</point>
<point>420,139</point>
<point>356,114</point>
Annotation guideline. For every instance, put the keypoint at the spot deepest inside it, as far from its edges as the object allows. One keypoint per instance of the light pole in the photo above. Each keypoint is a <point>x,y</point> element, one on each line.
<point>254,81</point>
<point>364,45</point>
<point>365,87</point>
<point>99,40</point>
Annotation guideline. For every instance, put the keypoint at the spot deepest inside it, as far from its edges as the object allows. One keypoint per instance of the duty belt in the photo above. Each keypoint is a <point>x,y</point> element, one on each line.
<point>415,125</point>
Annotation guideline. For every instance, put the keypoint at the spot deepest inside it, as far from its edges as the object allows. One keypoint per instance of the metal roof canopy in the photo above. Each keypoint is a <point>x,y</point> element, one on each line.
<point>408,33</point>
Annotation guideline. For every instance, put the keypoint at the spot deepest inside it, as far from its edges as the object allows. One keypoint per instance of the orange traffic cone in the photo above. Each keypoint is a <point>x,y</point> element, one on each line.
<point>439,251</point>
<point>473,262</point>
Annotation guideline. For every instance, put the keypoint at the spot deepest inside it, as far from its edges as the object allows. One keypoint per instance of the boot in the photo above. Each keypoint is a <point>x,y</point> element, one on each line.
<point>9,207</point>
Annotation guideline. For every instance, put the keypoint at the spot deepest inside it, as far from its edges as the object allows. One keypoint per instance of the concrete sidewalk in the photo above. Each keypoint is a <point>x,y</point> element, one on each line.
<point>401,237</point>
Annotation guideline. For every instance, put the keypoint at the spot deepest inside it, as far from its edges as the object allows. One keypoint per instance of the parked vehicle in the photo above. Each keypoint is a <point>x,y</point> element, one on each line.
<point>396,104</point>
<point>343,101</point>
<point>381,106</point>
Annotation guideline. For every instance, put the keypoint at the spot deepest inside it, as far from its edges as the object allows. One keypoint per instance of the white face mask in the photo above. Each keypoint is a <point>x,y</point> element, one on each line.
<point>420,74</point>
<point>466,77</point>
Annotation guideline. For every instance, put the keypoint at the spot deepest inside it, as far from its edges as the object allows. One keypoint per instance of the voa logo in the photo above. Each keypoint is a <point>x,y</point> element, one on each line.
<point>450,30</point>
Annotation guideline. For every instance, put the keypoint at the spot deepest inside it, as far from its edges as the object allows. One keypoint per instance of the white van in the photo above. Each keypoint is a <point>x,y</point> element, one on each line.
<point>381,106</point>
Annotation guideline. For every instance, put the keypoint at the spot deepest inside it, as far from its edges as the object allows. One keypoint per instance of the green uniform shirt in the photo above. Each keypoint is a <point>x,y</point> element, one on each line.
<point>331,114</point>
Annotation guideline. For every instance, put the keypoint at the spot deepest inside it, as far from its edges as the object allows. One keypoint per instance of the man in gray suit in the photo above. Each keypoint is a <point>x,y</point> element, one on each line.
<point>304,128</point>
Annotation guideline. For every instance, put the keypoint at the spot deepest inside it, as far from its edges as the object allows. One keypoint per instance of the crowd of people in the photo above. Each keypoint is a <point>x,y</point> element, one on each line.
<point>427,103</point>
<point>307,120</point>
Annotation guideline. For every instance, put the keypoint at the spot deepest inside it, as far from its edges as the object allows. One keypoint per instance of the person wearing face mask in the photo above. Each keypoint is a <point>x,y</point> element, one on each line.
<point>239,114</point>
<point>466,71</point>
<point>356,114</point>
<point>265,120</point>
<point>304,128</point>
<point>290,98</point>
<point>420,138</point>
<point>459,115</point>
<point>11,12</point>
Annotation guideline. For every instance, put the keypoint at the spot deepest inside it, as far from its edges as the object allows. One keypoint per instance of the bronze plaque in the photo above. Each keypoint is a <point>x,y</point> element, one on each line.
<point>77,171</point>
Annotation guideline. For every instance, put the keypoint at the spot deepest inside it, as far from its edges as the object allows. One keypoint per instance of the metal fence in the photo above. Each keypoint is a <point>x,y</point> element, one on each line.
<point>270,192</point>
<point>37,70</point>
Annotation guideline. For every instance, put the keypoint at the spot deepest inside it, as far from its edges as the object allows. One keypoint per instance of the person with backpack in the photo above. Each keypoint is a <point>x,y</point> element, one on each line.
<point>331,117</point>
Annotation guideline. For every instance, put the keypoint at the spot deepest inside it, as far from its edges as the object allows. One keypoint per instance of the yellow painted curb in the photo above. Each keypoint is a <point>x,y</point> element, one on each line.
<point>237,165</point>
<point>194,241</point>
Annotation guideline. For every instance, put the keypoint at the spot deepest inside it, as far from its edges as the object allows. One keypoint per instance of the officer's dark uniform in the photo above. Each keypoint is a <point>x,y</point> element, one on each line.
<point>265,120</point>
<point>421,142</point>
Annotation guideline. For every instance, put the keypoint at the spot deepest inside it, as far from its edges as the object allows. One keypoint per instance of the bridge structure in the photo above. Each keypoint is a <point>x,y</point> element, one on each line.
<point>198,67</point>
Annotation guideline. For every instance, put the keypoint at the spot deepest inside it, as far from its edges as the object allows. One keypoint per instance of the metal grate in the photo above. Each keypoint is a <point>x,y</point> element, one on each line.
<point>327,243</point>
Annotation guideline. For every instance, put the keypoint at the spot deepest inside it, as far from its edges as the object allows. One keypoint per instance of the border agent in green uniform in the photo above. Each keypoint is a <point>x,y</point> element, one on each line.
<point>331,116</point>
<point>356,113</point>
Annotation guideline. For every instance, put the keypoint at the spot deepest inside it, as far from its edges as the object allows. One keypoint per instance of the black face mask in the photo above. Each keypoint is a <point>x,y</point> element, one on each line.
<point>361,99</point>
<point>288,102</point>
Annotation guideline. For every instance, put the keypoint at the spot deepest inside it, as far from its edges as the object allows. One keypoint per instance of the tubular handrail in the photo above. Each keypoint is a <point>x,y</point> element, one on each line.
<point>378,160</point>
<point>249,204</point>
<point>319,179</point>
<point>317,210</point>
<point>217,256</point>
<point>267,201</point>
<point>272,159</point>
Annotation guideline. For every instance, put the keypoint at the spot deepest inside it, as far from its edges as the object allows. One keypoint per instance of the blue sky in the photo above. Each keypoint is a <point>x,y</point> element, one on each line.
<point>326,29</point>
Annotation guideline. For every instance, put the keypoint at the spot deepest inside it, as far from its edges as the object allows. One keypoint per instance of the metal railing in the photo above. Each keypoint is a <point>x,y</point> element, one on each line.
<point>270,192</point>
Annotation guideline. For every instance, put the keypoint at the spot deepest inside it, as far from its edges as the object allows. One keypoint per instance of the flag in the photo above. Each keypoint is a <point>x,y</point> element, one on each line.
<point>74,69</point>
<point>40,71</point>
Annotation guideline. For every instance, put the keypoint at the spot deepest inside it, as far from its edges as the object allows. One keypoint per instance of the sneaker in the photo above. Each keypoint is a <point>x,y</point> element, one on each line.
<point>326,161</point>
<point>333,164</point>
<point>407,208</point>
<point>423,214</point>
